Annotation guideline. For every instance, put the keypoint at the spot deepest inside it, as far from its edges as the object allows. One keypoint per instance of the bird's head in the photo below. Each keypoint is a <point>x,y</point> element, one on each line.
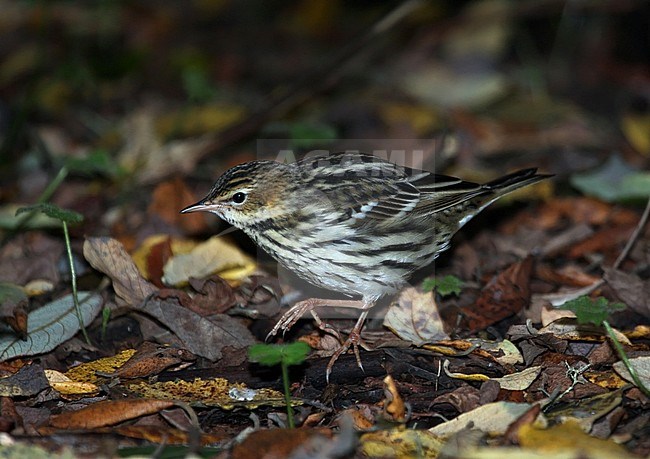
<point>248,193</point>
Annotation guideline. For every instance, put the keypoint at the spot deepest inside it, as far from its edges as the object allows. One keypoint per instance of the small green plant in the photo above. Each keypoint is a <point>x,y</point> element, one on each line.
<point>285,355</point>
<point>445,286</point>
<point>596,311</point>
<point>66,217</point>
<point>106,316</point>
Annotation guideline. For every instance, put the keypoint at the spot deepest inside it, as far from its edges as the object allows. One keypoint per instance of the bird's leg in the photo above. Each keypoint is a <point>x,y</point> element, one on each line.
<point>354,339</point>
<point>327,328</point>
<point>302,307</point>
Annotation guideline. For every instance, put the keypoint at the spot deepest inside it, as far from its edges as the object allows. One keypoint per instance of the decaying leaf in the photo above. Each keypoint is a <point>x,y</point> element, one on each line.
<point>13,300</point>
<point>631,289</point>
<point>88,372</point>
<point>211,392</point>
<point>401,443</point>
<point>570,440</point>
<point>200,336</point>
<point>394,407</point>
<point>151,359</point>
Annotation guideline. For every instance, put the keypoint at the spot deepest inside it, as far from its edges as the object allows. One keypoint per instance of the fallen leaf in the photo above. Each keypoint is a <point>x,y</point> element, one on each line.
<point>108,412</point>
<point>30,256</point>
<point>401,443</point>
<point>51,325</point>
<point>66,386</point>
<point>415,317</point>
<point>276,443</point>
<point>213,256</point>
<point>211,392</point>
<point>642,366</point>
<point>631,289</point>
<point>166,435</point>
<point>27,381</point>
<point>88,372</point>
<point>13,301</point>
<point>493,418</point>
<point>108,256</point>
<point>520,380</point>
<point>199,335</point>
<point>506,294</point>
<point>393,404</point>
<point>569,437</point>
<point>151,359</point>
<point>215,296</point>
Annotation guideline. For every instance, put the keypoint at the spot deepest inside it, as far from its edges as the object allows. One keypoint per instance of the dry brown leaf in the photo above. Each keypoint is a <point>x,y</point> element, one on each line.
<point>165,435</point>
<point>630,289</point>
<point>394,408</point>
<point>107,413</point>
<point>276,443</point>
<point>151,359</point>
<point>109,256</point>
<point>201,336</point>
<point>506,294</point>
<point>27,381</point>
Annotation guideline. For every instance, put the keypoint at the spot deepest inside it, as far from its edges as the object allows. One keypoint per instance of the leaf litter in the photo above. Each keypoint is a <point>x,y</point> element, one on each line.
<point>189,309</point>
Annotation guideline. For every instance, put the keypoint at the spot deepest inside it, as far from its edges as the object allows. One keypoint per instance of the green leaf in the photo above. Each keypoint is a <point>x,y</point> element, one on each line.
<point>52,211</point>
<point>613,181</point>
<point>266,354</point>
<point>445,286</point>
<point>273,354</point>
<point>295,353</point>
<point>592,311</point>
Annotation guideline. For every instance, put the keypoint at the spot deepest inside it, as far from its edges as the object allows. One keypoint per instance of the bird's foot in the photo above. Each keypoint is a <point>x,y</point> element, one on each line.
<point>353,340</point>
<point>292,316</point>
<point>299,309</point>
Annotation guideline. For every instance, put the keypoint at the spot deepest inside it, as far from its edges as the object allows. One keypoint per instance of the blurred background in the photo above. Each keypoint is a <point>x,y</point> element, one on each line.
<point>127,95</point>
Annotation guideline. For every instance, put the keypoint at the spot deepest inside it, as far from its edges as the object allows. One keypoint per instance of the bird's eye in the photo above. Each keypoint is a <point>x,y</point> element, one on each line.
<point>239,197</point>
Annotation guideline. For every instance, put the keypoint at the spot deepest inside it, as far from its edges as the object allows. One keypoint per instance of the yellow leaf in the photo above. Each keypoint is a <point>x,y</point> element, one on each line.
<point>568,436</point>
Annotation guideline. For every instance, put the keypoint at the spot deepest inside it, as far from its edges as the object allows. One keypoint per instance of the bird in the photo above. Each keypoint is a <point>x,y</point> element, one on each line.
<point>350,222</point>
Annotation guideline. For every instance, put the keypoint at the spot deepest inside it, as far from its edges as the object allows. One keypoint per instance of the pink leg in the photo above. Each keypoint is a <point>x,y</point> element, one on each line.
<point>354,339</point>
<point>302,307</point>
<point>299,309</point>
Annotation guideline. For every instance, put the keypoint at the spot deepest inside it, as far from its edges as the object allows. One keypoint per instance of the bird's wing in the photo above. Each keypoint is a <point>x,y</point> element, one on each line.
<point>366,188</point>
<point>440,192</point>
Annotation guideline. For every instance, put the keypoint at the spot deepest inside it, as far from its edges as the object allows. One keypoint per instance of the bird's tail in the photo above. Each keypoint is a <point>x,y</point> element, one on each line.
<point>511,182</point>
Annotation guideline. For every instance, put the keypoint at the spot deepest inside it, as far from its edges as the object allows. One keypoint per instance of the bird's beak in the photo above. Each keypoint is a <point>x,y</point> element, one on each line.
<point>200,206</point>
